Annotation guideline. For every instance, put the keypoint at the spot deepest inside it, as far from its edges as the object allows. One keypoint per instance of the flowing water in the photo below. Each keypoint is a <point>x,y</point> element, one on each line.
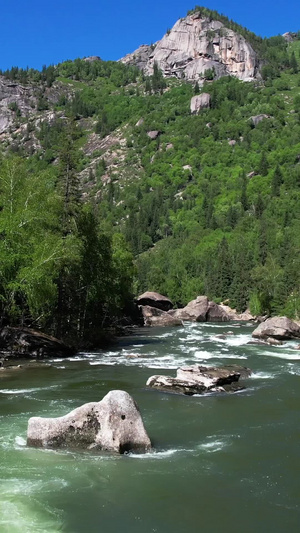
<point>223,462</point>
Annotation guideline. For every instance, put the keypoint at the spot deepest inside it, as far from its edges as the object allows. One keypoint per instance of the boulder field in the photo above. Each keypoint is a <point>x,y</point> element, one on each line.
<point>157,310</point>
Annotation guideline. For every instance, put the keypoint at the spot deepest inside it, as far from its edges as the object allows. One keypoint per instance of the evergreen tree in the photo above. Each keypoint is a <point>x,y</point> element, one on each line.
<point>277,180</point>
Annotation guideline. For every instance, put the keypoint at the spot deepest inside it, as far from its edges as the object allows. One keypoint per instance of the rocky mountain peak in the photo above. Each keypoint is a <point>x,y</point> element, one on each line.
<point>197,44</point>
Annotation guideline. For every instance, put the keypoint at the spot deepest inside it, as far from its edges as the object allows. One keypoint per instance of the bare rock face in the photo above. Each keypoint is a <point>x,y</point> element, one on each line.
<point>258,118</point>
<point>24,343</point>
<point>114,424</point>
<point>194,45</point>
<point>156,317</point>
<point>277,327</point>
<point>289,36</point>
<point>153,134</point>
<point>140,57</point>
<point>197,379</point>
<point>91,59</point>
<point>154,299</point>
<point>198,102</point>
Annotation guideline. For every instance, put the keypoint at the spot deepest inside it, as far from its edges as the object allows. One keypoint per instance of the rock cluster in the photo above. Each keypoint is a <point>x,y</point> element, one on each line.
<point>194,45</point>
<point>113,424</point>
<point>157,311</point>
<point>197,379</point>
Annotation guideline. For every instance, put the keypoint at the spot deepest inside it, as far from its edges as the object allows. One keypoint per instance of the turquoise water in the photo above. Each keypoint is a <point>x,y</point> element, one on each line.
<point>220,462</point>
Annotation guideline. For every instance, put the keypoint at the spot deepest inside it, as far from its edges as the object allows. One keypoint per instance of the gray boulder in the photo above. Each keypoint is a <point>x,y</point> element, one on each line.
<point>277,327</point>
<point>24,343</point>
<point>258,118</point>
<point>197,379</point>
<point>198,102</point>
<point>202,310</point>
<point>195,311</point>
<point>154,299</point>
<point>114,424</point>
<point>216,313</point>
<point>156,317</point>
<point>153,134</point>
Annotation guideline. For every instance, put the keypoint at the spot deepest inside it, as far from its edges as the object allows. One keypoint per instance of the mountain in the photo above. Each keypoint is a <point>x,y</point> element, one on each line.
<point>110,185</point>
<point>195,45</point>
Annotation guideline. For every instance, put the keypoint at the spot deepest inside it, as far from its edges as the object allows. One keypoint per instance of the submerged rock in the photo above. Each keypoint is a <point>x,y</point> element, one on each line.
<point>277,327</point>
<point>24,343</point>
<point>113,424</point>
<point>197,379</point>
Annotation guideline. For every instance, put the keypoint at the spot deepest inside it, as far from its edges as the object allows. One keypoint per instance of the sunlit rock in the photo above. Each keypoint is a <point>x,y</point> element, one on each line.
<point>113,424</point>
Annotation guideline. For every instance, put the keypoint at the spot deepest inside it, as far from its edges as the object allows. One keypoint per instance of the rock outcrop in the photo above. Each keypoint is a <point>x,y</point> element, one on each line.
<point>256,119</point>
<point>277,327</point>
<point>197,44</point>
<point>113,424</point>
<point>154,299</point>
<point>198,102</point>
<point>153,134</point>
<point>156,317</point>
<point>197,379</point>
<point>25,343</point>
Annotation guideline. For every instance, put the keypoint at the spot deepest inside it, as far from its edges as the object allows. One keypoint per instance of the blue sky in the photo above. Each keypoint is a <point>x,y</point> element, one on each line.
<point>37,32</point>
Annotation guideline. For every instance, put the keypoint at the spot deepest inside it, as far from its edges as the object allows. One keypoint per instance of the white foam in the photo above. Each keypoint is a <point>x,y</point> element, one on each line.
<point>202,354</point>
<point>158,454</point>
<point>262,375</point>
<point>20,441</point>
<point>27,391</point>
<point>19,391</point>
<point>288,357</point>
<point>212,447</point>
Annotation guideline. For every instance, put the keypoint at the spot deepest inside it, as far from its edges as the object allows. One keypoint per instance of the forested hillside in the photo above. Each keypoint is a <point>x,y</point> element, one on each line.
<point>205,204</point>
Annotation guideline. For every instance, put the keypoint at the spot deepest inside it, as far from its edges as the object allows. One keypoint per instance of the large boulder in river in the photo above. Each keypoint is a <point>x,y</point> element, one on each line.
<point>114,424</point>
<point>199,380</point>
<point>157,317</point>
<point>216,313</point>
<point>28,343</point>
<point>202,310</point>
<point>195,311</point>
<point>277,327</point>
<point>154,299</point>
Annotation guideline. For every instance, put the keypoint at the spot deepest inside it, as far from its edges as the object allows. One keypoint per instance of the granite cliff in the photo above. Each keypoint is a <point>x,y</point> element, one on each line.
<point>194,45</point>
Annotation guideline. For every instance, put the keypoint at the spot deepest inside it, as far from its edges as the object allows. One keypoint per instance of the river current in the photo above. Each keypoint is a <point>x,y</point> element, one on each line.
<point>221,462</point>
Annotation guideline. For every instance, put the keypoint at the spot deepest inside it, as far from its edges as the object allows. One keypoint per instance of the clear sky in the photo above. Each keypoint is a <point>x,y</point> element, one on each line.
<point>37,32</point>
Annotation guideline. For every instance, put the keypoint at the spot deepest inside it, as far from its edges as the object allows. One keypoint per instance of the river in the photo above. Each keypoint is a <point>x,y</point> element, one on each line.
<point>223,462</point>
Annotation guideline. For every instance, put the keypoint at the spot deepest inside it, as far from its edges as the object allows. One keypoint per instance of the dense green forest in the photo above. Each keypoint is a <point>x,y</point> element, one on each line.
<point>210,206</point>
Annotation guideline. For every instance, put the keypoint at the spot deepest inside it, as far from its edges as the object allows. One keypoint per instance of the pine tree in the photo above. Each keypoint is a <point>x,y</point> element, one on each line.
<point>293,63</point>
<point>263,166</point>
<point>276,181</point>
